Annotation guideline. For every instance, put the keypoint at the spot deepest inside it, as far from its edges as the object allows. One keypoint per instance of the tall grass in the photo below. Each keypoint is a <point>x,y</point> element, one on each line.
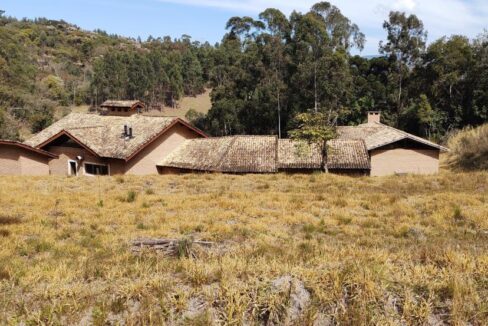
<point>390,251</point>
<point>469,149</point>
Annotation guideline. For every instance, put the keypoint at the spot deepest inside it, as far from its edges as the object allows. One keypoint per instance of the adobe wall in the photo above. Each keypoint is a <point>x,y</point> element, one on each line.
<point>403,161</point>
<point>15,160</point>
<point>146,161</point>
<point>60,166</point>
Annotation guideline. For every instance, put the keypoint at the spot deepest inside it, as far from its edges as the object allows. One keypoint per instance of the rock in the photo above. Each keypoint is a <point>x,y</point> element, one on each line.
<point>299,296</point>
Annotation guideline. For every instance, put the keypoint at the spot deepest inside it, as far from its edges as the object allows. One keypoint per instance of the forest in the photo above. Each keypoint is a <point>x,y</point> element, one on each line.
<point>265,71</point>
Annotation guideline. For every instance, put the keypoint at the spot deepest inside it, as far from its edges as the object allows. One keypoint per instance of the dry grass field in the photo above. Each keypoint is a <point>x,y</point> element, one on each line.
<point>289,249</point>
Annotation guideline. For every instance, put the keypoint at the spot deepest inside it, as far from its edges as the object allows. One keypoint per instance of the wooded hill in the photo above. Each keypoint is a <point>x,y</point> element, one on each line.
<point>48,65</point>
<point>263,73</point>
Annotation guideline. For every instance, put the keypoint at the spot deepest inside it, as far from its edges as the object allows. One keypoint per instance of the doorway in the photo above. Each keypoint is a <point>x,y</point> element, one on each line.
<point>73,168</point>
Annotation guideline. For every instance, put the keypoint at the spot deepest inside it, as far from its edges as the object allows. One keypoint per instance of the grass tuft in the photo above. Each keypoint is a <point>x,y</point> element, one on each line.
<point>10,219</point>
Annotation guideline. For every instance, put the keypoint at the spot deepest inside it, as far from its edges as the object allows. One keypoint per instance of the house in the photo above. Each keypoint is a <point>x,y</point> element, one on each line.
<point>21,159</point>
<point>90,144</point>
<point>122,108</point>
<point>371,148</point>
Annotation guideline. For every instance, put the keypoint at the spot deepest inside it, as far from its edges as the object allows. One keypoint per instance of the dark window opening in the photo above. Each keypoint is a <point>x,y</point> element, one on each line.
<point>96,169</point>
<point>73,168</point>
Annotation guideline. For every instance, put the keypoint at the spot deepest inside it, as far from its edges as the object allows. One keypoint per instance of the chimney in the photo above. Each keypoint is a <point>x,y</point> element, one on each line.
<point>374,116</point>
<point>126,131</point>
<point>130,132</point>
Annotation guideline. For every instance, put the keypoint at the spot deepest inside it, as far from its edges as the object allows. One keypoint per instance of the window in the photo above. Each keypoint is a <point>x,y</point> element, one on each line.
<point>96,169</point>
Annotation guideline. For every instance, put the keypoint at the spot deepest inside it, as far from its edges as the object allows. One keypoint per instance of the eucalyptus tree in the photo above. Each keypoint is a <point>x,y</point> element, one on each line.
<point>405,44</point>
<point>275,40</point>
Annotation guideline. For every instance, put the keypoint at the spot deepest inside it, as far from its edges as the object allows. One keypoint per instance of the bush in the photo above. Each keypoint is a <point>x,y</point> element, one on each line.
<point>131,196</point>
<point>469,149</point>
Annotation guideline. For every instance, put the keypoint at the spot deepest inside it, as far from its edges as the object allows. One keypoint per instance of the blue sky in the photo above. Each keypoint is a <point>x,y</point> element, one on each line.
<point>205,19</point>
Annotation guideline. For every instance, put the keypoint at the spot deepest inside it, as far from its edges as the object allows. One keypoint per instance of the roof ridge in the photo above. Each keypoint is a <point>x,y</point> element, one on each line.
<point>84,127</point>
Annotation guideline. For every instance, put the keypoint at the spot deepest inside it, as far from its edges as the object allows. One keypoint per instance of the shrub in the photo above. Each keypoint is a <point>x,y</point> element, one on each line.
<point>469,149</point>
<point>458,214</point>
<point>145,205</point>
<point>131,196</point>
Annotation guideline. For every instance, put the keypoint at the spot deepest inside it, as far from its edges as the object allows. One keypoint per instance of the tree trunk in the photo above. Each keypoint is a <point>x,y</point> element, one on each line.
<point>324,157</point>
<point>315,86</point>
<point>279,116</point>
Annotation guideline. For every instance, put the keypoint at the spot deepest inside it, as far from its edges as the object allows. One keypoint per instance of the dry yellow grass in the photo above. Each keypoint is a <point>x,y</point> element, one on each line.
<point>200,103</point>
<point>396,250</point>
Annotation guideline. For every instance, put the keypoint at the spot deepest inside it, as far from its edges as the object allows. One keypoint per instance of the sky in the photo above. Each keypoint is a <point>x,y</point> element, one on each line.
<point>205,20</point>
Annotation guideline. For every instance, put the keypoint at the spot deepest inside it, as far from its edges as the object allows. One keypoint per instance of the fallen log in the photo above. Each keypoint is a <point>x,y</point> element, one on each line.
<point>170,247</point>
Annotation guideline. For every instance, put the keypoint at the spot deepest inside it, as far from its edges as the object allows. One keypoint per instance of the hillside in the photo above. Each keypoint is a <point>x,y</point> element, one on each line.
<point>49,68</point>
<point>46,66</point>
<point>287,248</point>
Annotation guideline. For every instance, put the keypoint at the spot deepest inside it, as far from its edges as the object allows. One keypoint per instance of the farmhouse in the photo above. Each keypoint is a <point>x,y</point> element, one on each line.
<point>111,144</point>
<point>90,144</point>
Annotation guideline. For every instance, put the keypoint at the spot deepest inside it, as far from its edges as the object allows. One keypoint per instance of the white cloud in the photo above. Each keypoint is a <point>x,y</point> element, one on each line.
<point>440,17</point>
<point>405,5</point>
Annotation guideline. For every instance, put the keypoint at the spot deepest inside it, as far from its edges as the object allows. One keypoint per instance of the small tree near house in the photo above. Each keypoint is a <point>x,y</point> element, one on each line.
<point>316,128</point>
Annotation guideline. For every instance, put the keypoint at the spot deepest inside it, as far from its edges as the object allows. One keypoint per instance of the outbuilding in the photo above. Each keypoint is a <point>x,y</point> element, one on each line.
<point>122,108</point>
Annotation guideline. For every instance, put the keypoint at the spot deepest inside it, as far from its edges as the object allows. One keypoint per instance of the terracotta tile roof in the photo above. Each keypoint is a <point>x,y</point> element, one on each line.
<point>377,135</point>
<point>347,154</point>
<point>104,134</point>
<point>254,154</point>
<point>237,154</point>
<point>120,104</point>
<point>27,147</point>
<point>263,154</point>
<point>199,154</point>
<point>298,155</point>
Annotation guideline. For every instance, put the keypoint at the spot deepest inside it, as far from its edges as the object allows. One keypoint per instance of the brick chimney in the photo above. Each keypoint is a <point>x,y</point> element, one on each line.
<point>374,116</point>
